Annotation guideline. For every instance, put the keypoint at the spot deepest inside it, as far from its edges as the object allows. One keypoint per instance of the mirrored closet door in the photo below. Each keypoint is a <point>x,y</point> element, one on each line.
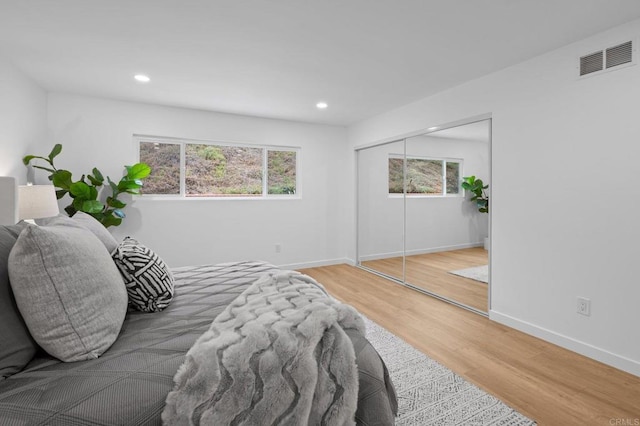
<point>416,224</point>
<point>381,212</point>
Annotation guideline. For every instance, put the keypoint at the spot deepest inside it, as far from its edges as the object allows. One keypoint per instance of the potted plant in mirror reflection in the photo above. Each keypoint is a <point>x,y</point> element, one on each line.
<point>84,192</point>
<point>478,190</point>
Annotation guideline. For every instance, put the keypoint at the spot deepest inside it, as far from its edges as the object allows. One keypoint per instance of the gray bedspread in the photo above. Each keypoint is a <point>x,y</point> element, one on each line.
<point>129,383</point>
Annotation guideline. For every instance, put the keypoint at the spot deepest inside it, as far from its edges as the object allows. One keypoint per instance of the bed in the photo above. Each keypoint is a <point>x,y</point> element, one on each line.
<point>129,383</point>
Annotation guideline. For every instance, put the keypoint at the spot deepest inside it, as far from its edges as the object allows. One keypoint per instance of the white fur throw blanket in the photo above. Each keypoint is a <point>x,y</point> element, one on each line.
<point>277,355</point>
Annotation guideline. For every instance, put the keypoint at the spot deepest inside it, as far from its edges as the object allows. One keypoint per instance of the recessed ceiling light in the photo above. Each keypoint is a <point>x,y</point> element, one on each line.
<point>142,78</point>
<point>321,105</point>
<point>432,128</point>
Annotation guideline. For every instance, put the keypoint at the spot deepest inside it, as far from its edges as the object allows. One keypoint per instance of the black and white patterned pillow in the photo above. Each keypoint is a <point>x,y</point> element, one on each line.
<point>148,279</point>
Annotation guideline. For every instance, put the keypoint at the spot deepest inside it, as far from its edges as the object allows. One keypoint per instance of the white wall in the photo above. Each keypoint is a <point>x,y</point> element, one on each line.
<point>564,200</point>
<point>432,223</point>
<point>23,108</point>
<point>99,132</point>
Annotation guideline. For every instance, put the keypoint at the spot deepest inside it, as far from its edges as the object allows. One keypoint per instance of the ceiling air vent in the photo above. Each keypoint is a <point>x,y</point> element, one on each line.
<point>620,54</point>
<point>591,63</point>
<point>607,58</point>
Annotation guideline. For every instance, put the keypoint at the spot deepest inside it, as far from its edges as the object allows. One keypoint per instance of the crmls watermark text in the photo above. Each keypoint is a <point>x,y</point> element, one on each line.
<point>624,422</point>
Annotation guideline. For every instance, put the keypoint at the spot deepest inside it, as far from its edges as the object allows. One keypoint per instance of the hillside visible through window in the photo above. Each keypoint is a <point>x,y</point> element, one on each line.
<point>423,176</point>
<point>218,170</point>
<point>164,160</point>
<point>281,172</point>
<point>213,171</point>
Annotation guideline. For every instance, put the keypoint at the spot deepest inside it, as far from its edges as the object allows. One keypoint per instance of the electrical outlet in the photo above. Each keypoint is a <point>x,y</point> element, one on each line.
<point>278,248</point>
<point>584,306</point>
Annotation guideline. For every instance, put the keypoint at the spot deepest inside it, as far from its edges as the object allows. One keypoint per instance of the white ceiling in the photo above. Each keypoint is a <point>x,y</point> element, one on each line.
<point>277,58</point>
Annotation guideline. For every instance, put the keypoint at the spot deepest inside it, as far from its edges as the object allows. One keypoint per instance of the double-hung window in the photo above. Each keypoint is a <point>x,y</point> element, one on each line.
<point>183,168</point>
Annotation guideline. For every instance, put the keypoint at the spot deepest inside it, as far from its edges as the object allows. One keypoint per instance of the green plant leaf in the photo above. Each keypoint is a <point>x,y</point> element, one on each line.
<point>94,181</point>
<point>57,149</point>
<point>93,193</point>
<point>70,210</point>
<point>115,203</point>
<point>77,204</point>
<point>44,168</point>
<point>110,220</point>
<point>81,190</point>
<point>114,187</point>
<point>92,206</point>
<point>134,191</point>
<point>138,171</point>
<point>62,179</point>
<point>98,175</point>
<point>119,213</point>
<point>126,184</point>
<point>61,193</point>
<point>27,159</point>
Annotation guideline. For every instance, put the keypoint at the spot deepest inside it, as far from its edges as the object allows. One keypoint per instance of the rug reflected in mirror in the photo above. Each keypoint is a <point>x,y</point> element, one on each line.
<point>431,394</point>
<point>478,273</point>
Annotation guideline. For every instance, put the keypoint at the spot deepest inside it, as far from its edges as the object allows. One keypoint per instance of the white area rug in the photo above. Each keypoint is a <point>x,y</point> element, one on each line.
<point>431,394</point>
<point>478,273</point>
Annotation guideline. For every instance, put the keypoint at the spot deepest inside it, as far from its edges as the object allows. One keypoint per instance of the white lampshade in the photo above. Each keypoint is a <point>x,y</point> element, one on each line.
<point>37,201</point>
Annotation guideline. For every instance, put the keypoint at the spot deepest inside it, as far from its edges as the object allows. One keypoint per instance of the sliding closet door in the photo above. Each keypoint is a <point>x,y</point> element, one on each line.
<point>444,230</point>
<point>381,209</point>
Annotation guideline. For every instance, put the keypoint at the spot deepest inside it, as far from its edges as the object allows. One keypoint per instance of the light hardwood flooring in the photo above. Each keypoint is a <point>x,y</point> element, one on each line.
<point>431,272</point>
<point>544,382</point>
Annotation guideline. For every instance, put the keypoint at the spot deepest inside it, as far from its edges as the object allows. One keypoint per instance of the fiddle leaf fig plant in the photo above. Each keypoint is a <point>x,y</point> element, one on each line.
<point>477,188</point>
<point>85,191</point>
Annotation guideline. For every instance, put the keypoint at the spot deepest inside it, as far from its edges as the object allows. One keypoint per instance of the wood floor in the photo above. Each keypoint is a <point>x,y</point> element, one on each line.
<point>431,272</point>
<point>544,382</point>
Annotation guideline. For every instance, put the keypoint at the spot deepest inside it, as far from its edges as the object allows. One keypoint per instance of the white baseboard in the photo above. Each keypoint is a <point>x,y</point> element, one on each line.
<point>586,349</point>
<point>316,263</point>
<point>420,251</point>
<point>444,248</point>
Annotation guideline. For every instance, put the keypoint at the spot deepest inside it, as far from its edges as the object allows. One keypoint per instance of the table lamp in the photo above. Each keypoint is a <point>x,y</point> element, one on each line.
<point>36,201</point>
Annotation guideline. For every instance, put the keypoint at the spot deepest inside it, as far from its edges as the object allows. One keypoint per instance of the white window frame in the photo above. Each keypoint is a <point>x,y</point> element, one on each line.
<point>138,139</point>
<point>443,176</point>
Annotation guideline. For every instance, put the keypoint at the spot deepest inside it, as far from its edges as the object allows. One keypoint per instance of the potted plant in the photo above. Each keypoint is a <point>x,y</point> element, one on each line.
<point>479,196</point>
<point>84,192</point>
<point>477,188</point>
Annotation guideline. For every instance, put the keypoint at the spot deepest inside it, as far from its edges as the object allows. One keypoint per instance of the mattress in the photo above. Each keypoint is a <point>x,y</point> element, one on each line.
<point>129,383</point>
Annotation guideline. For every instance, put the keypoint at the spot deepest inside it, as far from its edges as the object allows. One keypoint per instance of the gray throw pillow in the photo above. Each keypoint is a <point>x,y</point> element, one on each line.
<point>68,290</point>
<point>87,221</point>
<point>148,280</point>
<point>98,229</point>
<point>18,347</point>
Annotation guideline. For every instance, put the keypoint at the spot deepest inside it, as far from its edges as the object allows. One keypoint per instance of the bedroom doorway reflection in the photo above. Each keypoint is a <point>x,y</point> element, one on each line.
<point>416,225</point>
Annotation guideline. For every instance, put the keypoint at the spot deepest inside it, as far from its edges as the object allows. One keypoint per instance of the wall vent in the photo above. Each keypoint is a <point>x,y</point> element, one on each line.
<point>620,54</point>
<point>591,63</point>
<point>607,58</point>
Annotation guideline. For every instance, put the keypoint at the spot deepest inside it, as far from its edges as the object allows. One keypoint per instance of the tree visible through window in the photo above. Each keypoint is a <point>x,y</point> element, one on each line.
<point>424,176</point>
<point>218,170</point>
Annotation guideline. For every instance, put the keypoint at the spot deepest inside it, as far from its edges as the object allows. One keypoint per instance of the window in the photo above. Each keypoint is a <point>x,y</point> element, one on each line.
<point>197,169</point>
<point>424,176</point>
<point>164,160</point>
